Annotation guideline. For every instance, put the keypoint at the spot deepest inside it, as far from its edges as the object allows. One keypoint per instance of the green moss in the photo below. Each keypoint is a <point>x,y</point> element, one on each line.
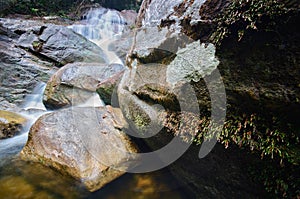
<point>140,122</point>
<point>242,15</point>
<point>140,119</point>
<point>37,46</point>
<point>105,93</point>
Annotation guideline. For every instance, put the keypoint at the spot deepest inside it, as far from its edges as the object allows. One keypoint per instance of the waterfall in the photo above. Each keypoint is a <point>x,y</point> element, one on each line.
<point>102,26</point>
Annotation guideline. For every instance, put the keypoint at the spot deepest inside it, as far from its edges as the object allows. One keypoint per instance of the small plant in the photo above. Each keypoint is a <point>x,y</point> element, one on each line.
<point>245,15</point>
<point>278,148</point>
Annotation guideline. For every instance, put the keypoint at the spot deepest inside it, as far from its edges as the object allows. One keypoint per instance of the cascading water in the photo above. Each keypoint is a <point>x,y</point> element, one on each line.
<point>19,179</point>
<point>35,99</point>
<point>32,109</point>
<point>102,26</point>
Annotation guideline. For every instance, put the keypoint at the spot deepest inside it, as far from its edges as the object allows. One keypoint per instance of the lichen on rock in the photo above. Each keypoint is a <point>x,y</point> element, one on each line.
<point>193,62</point>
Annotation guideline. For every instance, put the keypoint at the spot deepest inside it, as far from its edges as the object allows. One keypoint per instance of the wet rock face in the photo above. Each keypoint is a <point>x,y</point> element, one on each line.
<point>86,143</point>
<point>189,17</point>
<point>122,46</point>
<point>154,12</point>
<point>61,45</point>
<point>107,89</point>
<point>76,83</point>
<point>257,77</point>
<point>243,69</point>
<point>55,43</point>
<point>162,58</point>
<point>15,28</point>
<point>10,124</point>
<point>20,70</point>
<point>160,46</point>
<point>133,100</point>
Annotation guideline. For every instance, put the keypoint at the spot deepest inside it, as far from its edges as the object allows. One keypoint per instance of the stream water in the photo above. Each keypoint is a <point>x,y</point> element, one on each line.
<point>20,179</point>
<point>32,108</point>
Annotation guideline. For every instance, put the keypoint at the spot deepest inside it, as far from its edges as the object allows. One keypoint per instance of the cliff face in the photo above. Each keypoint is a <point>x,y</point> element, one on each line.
<point>258,61</point>
<point>253,45</point>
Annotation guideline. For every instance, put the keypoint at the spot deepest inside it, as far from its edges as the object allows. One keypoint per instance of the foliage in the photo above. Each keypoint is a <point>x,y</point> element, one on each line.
<point>274,141</point>
<point>126,4</point>
<point>242,15</point>
<point>283,181</point>
<point>39,7</point>
<point>60,7</point>
<point>266,137</point>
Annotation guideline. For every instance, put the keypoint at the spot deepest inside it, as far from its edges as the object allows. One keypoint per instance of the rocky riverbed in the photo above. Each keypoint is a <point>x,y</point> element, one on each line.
<point>166,77</point>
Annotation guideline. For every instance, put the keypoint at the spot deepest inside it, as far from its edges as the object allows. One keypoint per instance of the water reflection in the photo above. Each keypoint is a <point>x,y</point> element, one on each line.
<point>20,179</point>
<point>155,185</point>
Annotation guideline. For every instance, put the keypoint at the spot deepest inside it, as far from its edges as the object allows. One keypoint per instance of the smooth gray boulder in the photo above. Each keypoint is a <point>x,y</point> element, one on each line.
<point>61,45</point>
<point>76,83</point>
<point>88,144</point>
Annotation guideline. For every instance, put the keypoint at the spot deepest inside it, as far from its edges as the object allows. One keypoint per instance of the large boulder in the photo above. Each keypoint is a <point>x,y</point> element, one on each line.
<point>159,47</point>
<point>121,46</point>
<point>86,143</point>
<point>76,83</point>
<point>238,67</point>
<point>54,43</point>
<point>20,71</point>
<point>14,28</point>
<point>10,124</point>
<point>171,38</point>
<point>164,78</point>
<point>60,45</point>
<point>169,47</point>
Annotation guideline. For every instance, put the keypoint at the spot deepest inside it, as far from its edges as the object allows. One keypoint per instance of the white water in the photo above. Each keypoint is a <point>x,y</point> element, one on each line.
<point>32,109</point>
<point>102,26</point>
<point>35,99</point>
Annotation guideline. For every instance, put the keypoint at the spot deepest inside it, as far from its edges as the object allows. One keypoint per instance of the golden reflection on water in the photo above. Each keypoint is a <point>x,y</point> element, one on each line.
<point>154,185</point>
<point>17,187</point>
<point>19,179</point>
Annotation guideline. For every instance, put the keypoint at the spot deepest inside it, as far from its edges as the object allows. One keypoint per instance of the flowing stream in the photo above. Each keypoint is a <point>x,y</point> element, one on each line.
<point>32,109</point>
<point>20,179</point>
